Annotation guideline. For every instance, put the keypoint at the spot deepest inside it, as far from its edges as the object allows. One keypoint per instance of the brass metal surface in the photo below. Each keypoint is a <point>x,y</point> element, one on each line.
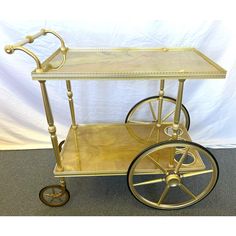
<point>108,149</point>
<point>160,103</point>
<point>178,109</point>
<point>131,63</point>
<point>71,103</point>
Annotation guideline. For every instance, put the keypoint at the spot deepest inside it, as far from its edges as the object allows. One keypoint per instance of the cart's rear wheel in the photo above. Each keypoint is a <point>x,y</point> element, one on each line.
<point>146,111</point>
<point>54,195</point>
<point>156,183</point>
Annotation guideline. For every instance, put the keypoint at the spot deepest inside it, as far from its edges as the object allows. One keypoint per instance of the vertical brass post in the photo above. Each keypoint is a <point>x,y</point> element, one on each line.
<point>51,126</point>
<point>178,109</point>
<point>160,103</point>
<point>72,112</point>
<point>71,103</point>
<point>177,117</point>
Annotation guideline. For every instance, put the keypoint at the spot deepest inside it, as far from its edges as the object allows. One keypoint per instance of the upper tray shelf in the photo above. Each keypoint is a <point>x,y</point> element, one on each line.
<point>129,63</point>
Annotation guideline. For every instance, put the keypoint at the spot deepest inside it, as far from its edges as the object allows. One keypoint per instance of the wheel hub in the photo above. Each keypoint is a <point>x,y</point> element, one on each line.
<point>173,180</point>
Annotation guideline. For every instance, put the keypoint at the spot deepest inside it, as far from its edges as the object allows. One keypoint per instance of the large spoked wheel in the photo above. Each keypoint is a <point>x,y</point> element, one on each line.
<point>156,183</point>
<point>54,195</point>
<point>146,111</point>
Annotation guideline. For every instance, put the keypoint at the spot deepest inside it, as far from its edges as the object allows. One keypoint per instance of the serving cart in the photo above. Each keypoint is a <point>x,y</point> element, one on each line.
<point>164,168</point>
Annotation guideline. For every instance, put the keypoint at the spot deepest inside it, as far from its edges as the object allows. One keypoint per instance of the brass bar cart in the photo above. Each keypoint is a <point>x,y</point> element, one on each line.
<point>164,168</point>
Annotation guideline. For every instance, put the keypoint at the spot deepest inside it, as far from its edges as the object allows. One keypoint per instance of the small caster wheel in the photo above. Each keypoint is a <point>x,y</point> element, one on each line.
<point>54,195</point>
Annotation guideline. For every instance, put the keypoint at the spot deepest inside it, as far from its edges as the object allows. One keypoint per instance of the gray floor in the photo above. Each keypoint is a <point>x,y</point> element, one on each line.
<point>24,173</point>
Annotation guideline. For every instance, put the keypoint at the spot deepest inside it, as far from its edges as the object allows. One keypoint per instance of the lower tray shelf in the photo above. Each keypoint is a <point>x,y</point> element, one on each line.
<point>108,149</point>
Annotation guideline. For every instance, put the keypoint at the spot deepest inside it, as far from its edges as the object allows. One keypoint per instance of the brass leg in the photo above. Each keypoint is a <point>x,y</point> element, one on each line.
<point>178,109</point>
<point>160,103</point>
<point>72,112</point>
<point>51,126</point>
<point>71,103</point>
<point>177,118</point>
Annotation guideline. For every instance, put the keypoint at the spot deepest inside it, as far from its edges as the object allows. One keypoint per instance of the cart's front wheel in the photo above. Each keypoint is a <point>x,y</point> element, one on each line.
<point>146,111</point>
<point>157,183</point>
<point>54,195</point>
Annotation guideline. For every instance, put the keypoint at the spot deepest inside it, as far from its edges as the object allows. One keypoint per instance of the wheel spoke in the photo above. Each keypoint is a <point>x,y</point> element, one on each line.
<point>168,115</point>
<point>181,160</point>
<point>163,195</point>
<point>150,182</point>
<point>201,172</point>
<point>150,135</point>
<point>152,110</point>
<point>186,190</point>
<point>161,168</point>
<point>140,122</point>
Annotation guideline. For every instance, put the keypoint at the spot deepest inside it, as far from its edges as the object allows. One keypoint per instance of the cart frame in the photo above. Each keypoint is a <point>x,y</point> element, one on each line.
<point>172,176</point>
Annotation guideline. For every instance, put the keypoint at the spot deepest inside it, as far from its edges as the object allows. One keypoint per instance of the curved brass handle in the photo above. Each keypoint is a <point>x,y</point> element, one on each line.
<point>30,39</point>
<point>63,47</point>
